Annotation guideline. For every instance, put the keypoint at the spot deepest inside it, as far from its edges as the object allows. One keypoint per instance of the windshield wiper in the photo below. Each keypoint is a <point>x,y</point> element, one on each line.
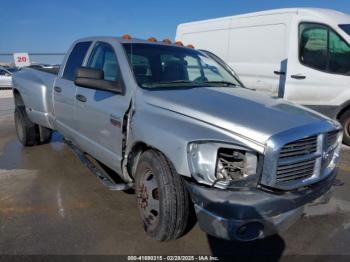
<point>227,83</point>
<point>187,83</point>
<point>177,82</point>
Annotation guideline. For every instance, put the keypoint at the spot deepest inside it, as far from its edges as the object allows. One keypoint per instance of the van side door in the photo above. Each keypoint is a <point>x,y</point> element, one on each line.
<point>318,69</point>
<point>258,49</point>
<point>65,91</point>
<point>100,113</point>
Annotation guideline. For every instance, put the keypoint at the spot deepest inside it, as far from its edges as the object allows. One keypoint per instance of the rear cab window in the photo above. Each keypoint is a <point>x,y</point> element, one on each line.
<point>75,60</point>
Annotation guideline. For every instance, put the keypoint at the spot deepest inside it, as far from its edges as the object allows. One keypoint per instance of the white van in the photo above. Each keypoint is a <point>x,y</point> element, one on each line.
<point>300,54</point>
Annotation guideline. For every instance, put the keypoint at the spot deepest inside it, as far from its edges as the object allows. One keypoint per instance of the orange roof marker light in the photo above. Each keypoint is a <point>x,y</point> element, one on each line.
<point>152,39</point>
<point>190,46</point>
<point>179,43</point>
<point>166,41</point>
<point>126,37</point>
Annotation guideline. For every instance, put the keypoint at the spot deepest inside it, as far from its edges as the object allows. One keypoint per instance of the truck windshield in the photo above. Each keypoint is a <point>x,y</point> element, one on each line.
<point>162,66</point>
<point>345,28</point>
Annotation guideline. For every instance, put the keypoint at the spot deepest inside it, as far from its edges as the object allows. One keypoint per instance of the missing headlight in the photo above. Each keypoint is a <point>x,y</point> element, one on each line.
<point>222,165</point>
<point>233,164</point>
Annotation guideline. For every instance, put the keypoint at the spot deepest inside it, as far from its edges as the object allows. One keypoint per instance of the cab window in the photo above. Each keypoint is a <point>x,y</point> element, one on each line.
<point>323,49</point>
<point>75,60</point>
<point>103,58</point>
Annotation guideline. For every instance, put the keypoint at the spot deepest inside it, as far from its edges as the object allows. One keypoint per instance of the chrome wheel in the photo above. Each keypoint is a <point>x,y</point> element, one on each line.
<point>148,198</point>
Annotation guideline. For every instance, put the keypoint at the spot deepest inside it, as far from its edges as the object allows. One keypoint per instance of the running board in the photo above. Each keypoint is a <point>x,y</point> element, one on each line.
<point>97,171</point>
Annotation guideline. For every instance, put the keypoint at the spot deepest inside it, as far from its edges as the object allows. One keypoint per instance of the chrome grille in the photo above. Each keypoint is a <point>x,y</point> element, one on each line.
<point>292,165</point>
<point>292,172</point>
<point>331,138</point>
<point>330,147</point>
<point>301,162</point>
<point>300,147</point>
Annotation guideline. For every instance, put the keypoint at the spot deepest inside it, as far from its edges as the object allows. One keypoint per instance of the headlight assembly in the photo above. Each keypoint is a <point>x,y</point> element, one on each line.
<point>223,165</point>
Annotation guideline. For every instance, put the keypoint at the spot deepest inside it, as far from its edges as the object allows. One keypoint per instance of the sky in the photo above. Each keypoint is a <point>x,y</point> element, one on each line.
<point>42,26</point>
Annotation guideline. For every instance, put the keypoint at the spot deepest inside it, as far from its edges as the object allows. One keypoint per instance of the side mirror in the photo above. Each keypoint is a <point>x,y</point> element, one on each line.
<point>94,79</point>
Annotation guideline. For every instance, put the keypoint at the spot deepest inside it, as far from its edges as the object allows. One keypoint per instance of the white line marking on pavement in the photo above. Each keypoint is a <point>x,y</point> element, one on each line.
<point>59,202</point>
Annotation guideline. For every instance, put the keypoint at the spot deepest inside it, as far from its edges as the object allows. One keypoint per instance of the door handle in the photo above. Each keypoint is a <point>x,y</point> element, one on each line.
<point>81,98</point>
<point>58,89</point>
<point>279,72</point>
<point>299,77</point>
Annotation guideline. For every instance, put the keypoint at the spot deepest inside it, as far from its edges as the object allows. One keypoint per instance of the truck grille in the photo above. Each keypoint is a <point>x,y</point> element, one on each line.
<point>301,147</point>
<point>331,138</point>
<point>291,171</point>
<point>301,162</point>
<point>330,147</point>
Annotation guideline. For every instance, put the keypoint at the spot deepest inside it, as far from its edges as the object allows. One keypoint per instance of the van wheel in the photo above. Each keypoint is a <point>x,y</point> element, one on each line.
<point>27,131</point>
<point>162,199</point>
<point>345,121</point>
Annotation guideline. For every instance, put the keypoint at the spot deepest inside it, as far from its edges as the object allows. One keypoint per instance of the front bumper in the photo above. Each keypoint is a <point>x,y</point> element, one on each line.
<point>255,213</point>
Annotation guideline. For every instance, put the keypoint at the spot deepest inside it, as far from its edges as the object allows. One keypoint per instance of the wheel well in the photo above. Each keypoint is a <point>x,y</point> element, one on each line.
<point>18,98</point>
<point>341,112</point>
<point>134,155</point>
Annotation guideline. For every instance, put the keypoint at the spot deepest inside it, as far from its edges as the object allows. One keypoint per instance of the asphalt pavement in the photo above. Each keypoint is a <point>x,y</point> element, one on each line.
<point>50,203</point>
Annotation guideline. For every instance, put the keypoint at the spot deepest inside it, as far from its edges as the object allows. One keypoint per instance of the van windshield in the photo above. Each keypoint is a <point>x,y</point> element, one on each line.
<point>165,66</point>
<point>345,28</point>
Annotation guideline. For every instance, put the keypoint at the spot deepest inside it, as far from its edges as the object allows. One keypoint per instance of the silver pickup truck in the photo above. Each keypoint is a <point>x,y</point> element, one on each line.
<point>180,129</point>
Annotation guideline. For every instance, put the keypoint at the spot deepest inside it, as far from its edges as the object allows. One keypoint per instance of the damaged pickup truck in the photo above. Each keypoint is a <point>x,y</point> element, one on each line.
<point>179,128</point>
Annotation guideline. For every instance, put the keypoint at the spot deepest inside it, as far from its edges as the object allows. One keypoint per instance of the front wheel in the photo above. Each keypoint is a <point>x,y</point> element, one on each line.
<point>162,199</point>
<point>345,121</point>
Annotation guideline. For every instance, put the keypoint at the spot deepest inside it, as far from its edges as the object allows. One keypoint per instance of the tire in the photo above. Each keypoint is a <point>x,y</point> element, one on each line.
<point>162,198</point>
<point>45,134</point>
<point>27,131</point>
<point>345,121</point>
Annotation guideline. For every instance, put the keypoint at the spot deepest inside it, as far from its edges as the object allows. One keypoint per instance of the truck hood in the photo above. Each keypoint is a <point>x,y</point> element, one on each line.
<point>248,113</point>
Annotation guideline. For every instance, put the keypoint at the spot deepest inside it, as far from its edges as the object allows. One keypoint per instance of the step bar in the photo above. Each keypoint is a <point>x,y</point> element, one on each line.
<point>96,170</point>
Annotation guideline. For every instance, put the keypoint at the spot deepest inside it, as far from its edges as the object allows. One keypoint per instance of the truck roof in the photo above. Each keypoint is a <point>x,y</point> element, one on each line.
<point>123,40</point>
<point>327,14</point>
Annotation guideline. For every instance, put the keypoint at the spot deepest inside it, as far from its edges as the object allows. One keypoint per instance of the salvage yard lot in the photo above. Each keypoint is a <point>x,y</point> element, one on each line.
<point>51,204</point>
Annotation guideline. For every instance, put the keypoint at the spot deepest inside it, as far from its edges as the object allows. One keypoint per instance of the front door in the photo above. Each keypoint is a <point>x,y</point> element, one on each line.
<point>100,113</point>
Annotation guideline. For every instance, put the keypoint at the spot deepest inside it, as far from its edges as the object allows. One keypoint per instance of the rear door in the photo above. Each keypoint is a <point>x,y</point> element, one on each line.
<point>65,91</point>
<point>100,113</point>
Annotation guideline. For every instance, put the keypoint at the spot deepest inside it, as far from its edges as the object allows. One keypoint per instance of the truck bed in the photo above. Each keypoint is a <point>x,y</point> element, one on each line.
<point>50,70</point>
<point>33,83</point>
